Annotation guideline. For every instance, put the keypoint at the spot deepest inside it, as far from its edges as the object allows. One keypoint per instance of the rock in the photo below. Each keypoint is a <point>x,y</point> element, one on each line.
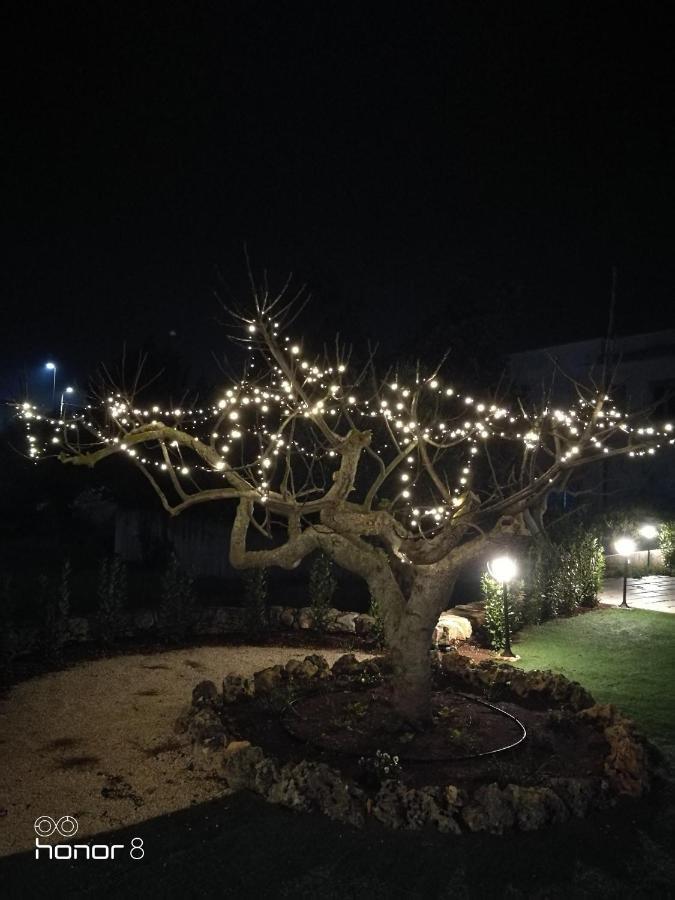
<point>234,747</point>
<point>144,620</point>
<point>601,714</point>
<point>287,618</point>
<point>291,666</point>
<point>236,687</point>
<point>474,612</point>
<point>365,625</point>
<point>389,805</point>
<point>206,728</point>
<point>579,794</point>
<point>77,629</point>
<point>457,666</point>
<point>489,810</point>
<point>266,776</point>
<point>626,764</point>
<point>205,694</point>
<point>268,680</point>
<point>274,616</point>
<point>221,619</point>
<point>535,807</point>
<point>347,665</point>
<point>311,786</point>
<point>319,661</point>
<point>451,627</point>
<point>183,720</point>
<point>239,763</point>
<point>428,806</point>
<point>399,807</point>
<point>301,671</point>
<point>344,623</point>
<point>305,619</point>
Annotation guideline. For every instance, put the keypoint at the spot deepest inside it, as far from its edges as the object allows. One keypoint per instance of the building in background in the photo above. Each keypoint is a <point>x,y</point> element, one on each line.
<point>642,367</point>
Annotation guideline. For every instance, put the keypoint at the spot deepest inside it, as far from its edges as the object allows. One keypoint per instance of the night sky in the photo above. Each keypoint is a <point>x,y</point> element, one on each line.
<point>466,171</point>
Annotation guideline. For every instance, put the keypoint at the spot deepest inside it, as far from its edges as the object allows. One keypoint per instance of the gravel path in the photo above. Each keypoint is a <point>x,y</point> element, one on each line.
<point>96,741</point>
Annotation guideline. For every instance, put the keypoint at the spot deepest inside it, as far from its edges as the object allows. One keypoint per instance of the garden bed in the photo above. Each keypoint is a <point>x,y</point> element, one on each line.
<point>312,738</point>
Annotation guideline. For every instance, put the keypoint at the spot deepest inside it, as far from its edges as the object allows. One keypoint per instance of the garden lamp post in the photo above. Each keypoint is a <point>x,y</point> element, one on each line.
<point>67,390</point>
<point>52,368</point>
<point>503,569</point>
<point>649,533</point>
<point>625,546</point>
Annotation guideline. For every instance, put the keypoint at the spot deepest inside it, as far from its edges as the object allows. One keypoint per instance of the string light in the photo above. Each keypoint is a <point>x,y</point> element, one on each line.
<point>302,409</point>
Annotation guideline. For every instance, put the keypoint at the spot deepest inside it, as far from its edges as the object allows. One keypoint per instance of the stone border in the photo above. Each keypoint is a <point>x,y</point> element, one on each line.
<point>308,786</point>
<point>222,620</point>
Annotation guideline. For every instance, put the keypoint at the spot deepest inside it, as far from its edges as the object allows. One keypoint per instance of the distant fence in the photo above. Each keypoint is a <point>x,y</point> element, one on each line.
<point>638,560</point>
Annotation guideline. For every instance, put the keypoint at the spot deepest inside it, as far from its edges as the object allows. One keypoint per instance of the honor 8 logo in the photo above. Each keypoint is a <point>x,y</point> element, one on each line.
<point>67,827</point>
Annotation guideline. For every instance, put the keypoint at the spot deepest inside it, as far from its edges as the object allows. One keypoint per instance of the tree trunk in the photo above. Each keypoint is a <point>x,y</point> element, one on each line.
<point>411,680</point>
<point>409,644</point>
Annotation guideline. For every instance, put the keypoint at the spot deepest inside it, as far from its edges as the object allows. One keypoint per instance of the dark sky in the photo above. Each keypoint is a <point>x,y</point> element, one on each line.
<point>460,167</point>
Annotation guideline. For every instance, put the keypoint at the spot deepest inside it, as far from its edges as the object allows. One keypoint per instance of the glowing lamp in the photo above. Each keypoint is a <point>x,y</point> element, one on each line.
<point>649,532</point>
<point>625,546</point>
<point>503,569</point>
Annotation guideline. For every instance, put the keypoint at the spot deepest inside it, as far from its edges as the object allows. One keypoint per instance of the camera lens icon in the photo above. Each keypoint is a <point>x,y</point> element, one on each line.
<point>66,826</point>
<point>44,826</point>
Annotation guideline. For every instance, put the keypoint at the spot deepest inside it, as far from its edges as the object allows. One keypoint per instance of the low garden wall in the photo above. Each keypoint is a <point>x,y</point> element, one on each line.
<point>454,809</point>
<point>225,620</point>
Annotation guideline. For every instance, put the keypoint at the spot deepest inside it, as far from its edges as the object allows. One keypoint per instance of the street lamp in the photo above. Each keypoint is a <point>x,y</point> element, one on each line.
<point>624,547</point>
<point>67,390</point>
<point>52,368</point>
<point>504,569</point>
<point>649,533</point>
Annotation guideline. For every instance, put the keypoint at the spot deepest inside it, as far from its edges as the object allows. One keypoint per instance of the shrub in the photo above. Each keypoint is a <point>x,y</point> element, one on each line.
<point>55,605</point>
<point>559,580</point>
<point>175,615</point>
<point>112,596</point>
<point>667,544</point>
<point>255,595</point>
<point>542,590</point>
<point>493,592</point>
<point>322,584</point>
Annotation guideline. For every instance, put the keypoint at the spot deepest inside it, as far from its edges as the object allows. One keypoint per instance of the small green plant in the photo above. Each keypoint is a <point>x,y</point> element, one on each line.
<point>112,596</point>
<point>322,584</point>
<point>493,592</point>
<point>255,593</point>
<point>381,767</point>
<point>175,615</point>
<point>667,544</point>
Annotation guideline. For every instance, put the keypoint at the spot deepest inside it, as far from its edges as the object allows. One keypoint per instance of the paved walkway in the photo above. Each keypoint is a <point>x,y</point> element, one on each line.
<point>650,592</point>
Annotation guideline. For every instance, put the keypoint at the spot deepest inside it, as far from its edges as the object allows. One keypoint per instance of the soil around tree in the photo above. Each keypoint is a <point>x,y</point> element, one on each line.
<point>339,725</point>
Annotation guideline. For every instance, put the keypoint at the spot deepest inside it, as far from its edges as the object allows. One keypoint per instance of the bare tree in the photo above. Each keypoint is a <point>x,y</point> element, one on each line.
<point>401,480</point>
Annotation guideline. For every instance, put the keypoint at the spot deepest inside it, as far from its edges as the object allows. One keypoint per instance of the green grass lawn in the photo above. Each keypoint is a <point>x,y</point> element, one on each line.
<point>625,657</point>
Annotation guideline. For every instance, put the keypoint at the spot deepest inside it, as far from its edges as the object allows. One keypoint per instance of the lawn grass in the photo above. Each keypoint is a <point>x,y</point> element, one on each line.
<point>625,657</point>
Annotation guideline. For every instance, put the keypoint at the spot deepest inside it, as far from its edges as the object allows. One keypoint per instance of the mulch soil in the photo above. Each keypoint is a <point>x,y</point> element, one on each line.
<point>340,726</point>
